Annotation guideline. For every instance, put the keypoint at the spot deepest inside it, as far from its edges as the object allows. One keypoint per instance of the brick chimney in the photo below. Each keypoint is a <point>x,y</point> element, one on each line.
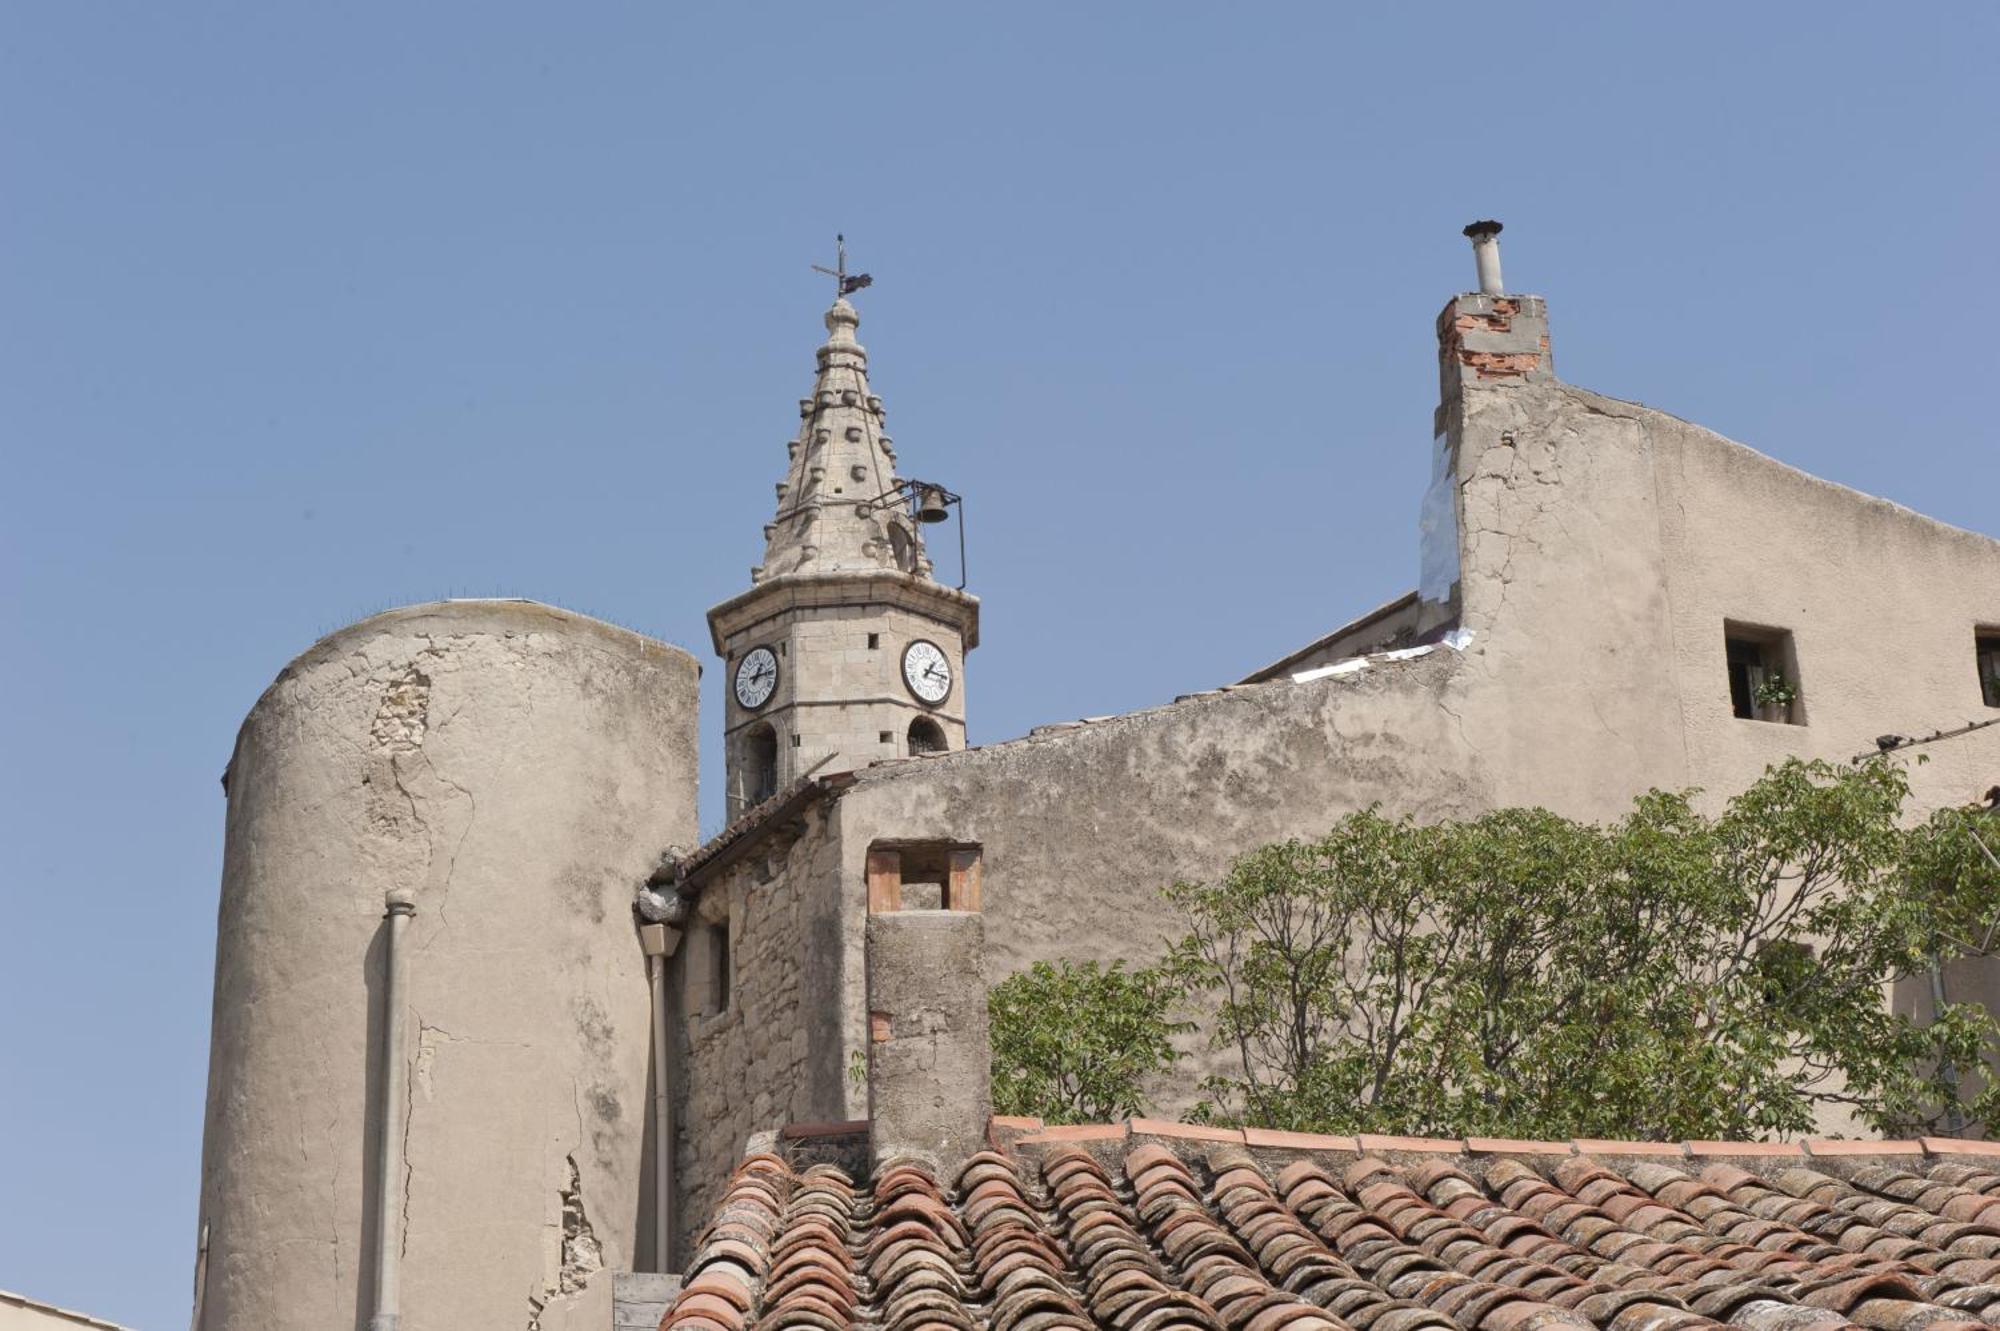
<point>929,1063</point>
<point>1490,338</point>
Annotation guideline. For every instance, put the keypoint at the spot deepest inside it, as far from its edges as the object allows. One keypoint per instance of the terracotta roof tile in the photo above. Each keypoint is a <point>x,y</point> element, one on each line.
<point>1159,1228</point>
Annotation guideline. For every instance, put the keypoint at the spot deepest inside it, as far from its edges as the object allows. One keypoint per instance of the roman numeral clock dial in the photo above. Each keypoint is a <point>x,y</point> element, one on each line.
<point>756,678</point>
<point>927,672</point>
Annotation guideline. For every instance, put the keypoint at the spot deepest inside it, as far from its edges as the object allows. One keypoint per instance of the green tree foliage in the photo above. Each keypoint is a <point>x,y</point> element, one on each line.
<point>1077,1043</point>
<point>1670,975</point>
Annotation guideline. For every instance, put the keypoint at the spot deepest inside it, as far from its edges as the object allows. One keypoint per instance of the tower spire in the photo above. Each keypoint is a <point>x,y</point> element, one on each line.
<point>844,650</point>
<point>837,508</point>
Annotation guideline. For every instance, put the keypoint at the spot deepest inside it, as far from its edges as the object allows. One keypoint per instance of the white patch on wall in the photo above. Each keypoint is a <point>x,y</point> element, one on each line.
<point>1437,528</point>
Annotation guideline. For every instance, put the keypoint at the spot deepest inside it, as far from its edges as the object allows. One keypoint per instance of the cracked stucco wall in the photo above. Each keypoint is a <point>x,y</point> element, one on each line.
<point>1080,828</point>
<point>1604,545</point>
<point>518,767</point>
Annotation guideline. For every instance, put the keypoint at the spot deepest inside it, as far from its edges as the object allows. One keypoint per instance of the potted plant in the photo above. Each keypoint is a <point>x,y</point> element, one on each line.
<point>1774,697</point>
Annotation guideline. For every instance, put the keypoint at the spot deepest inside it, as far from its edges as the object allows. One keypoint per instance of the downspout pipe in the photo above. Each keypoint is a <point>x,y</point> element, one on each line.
<point>400,904</point>
<point>659,942</point>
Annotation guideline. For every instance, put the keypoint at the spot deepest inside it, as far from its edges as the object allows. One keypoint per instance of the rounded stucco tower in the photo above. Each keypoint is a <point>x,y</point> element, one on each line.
<point>507,774</point>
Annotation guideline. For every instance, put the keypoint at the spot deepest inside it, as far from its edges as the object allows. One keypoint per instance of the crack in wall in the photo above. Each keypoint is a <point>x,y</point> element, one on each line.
<point>409,1171</point>
<point>399,732</point>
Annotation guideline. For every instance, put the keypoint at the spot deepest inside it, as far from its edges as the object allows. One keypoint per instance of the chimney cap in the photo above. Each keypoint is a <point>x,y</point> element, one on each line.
<point>1487,228</point>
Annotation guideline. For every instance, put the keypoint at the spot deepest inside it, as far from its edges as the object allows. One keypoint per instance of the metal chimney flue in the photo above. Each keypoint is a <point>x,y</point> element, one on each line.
<point>1485,237</point>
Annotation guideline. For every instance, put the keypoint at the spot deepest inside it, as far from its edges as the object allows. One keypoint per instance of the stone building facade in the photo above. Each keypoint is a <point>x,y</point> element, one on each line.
<point>1592,570</point>
<point>1601,585</point>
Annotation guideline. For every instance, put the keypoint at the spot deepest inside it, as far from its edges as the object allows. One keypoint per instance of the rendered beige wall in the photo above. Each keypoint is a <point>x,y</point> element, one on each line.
<point>1081,828</point>
<point>1606,544</point>
<point>520,768</point>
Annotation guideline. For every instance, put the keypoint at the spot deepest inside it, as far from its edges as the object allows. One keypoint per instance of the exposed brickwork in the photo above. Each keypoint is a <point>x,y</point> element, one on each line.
<point>1493,339</point>
<point>1493,365</point>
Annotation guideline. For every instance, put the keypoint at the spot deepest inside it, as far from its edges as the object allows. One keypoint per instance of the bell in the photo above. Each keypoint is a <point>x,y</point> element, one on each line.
<point>930,505</point>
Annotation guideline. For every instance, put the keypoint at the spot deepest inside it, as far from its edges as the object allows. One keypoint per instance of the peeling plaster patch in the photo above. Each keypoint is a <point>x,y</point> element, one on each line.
<point>404,715</point>
<point>582,1254</point>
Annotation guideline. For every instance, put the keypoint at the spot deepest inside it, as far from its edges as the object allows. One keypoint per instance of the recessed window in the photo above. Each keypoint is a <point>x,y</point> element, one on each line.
<point>1763,674</point>
<point>1781,969</point>
<point>1988,647</point>
<point>926,736</point>
<point>719,965</point>
<point>885,737</point>
<point>874,641</point>
<point>796,741</point>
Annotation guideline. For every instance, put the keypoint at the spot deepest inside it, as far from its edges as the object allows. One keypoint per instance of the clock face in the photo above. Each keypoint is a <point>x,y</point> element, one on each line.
<point>927,671</point>
<point>756,678</point>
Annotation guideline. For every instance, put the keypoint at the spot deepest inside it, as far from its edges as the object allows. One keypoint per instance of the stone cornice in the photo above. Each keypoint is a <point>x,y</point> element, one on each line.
<point>873,588</point>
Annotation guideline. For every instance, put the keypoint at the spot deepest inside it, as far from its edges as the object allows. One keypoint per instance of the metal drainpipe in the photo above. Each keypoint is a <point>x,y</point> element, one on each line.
<point>659,941</point>
<point>399,905</point>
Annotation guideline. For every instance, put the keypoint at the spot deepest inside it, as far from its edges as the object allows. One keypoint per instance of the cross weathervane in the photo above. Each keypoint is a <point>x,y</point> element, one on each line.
<point>844,285</point>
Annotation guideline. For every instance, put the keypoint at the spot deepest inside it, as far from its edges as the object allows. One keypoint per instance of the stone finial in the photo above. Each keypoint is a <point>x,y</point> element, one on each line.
<point>841,321</point>
<point>929,1061</point>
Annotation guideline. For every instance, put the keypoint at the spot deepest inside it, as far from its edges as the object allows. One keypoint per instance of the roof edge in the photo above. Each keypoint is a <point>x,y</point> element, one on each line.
<point>1033,1132</point>
<point>739,838</point>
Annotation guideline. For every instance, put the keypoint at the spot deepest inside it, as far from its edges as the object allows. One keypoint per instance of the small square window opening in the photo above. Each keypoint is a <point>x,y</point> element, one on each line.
<point>1763,674</point>
<point>874,641</point>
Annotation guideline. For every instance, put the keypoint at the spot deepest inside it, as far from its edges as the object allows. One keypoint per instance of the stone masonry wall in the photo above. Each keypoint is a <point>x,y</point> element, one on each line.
<point>749,1067</point>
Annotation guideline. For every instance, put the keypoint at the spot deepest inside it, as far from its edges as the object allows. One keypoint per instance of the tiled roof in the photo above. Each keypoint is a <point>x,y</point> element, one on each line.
<point>1161,1228</point>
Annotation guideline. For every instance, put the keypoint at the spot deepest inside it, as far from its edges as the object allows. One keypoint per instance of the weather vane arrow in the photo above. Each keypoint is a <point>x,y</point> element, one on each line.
<point>844,285</point>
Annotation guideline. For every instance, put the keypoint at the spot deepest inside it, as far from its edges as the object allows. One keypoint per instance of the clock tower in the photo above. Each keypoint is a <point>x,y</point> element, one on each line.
<point>845,649</point>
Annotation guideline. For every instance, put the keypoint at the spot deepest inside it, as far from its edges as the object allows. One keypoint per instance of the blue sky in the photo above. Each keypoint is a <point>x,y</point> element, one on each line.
<point>311,310</point>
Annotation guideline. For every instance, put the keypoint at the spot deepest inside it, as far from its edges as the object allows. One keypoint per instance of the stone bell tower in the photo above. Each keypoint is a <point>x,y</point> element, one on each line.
<point>845,649</point>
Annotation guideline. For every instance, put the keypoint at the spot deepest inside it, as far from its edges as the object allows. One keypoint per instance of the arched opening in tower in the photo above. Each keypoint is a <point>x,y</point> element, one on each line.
<point>760,764</point>
<point>901,548</point>
<point>926,736</point>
